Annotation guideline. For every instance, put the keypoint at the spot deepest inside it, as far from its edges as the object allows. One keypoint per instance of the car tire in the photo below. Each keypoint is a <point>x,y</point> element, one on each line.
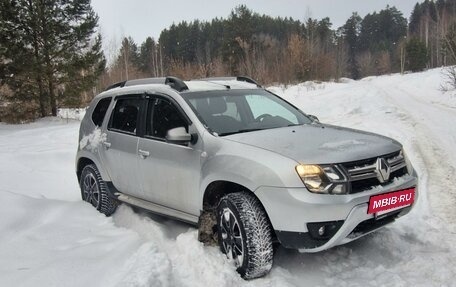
<point>95,191</point>
<point>245,234</point>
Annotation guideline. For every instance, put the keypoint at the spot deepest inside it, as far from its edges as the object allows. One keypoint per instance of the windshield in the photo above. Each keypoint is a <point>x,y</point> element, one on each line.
<point>236,111</point>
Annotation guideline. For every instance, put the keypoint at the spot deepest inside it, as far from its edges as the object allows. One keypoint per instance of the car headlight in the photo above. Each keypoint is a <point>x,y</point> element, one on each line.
<point>322,179</point>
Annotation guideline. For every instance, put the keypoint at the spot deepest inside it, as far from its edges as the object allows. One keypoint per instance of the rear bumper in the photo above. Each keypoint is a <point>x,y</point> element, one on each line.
<point>296,215</point>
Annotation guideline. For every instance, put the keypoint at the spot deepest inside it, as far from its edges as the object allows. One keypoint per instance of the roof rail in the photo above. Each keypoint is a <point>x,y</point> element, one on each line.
<point>238,78</point>
<point>116,85</point>
<point>174,82</point>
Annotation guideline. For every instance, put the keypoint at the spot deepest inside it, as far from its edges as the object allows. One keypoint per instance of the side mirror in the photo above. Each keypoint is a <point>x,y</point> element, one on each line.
<point>313,118</point>
<point>178,135</point>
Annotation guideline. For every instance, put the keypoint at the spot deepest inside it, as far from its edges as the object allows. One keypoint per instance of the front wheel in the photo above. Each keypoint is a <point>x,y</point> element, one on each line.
<point>245,234</point>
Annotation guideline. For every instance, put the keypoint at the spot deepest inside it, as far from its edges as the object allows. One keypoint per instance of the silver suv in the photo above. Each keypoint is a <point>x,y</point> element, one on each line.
<point>248,168</point>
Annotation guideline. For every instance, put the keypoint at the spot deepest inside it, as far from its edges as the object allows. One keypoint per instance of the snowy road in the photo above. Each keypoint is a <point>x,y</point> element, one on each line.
<point>48,237</point>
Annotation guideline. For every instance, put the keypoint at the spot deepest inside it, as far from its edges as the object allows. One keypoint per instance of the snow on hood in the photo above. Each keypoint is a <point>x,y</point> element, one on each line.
<point>342,145</point>
<point>319,144</point>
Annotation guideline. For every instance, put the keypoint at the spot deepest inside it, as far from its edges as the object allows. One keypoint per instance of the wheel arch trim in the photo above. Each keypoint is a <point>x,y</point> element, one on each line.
<point>85,156</point>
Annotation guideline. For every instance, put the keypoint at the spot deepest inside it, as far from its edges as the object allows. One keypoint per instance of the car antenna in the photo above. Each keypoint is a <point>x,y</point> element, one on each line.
<point>228,87</point>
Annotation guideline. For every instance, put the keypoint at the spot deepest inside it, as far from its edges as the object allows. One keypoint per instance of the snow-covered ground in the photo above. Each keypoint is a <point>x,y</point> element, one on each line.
<point>71,114</point>
<point>48,237</point>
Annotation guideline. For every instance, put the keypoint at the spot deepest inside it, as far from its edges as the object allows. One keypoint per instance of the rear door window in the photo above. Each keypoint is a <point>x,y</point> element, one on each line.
<point>100,110</point>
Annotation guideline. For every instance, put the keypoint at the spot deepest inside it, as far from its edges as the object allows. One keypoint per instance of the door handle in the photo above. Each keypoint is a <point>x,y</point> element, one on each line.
<point>143,153</point>
<point>106,145</point>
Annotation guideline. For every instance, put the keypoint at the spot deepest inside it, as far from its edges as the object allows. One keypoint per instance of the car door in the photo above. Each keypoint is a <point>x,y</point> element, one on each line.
<point>119,154</point>
<point>170,173</point>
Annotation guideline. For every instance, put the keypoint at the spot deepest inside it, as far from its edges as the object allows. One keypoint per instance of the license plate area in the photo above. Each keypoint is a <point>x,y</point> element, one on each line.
<point>382,214</point>
<point>383,204</point>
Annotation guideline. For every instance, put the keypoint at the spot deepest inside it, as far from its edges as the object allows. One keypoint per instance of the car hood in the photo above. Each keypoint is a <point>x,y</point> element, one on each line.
<point>319,144</point>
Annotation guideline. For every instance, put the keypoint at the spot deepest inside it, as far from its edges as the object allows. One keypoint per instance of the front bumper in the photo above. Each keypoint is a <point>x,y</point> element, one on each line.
<point>292,210</point>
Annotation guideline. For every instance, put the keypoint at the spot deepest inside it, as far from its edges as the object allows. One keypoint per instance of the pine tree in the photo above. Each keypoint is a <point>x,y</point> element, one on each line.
<point>148,58</point>
<point>50,50</point>
<point>351,31</point>
<point>415,18</point>
<point>128,58</point>
<point>417,55</point>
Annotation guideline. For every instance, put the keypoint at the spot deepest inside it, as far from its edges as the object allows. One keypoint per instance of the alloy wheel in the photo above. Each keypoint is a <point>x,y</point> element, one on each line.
<point>232,242</point>
<point>91,190</point>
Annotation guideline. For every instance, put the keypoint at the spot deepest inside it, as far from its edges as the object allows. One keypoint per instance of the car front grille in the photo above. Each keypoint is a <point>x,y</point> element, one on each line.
<point>362,174</point>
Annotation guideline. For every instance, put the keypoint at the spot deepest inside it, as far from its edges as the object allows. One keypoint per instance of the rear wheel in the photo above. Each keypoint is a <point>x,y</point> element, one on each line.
<point>245,234</point>
<point>95,191</point>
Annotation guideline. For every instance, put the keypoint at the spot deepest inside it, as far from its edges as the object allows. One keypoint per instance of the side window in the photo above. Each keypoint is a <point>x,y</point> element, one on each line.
<point>100,111</point>
<point>125,115</point>
<point>161,117</point>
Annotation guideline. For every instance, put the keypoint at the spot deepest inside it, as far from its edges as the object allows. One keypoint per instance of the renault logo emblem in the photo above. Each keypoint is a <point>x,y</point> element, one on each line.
<point>383,170</point>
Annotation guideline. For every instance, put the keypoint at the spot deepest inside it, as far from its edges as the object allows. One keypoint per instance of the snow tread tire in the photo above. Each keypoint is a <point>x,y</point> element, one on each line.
<point>107,205</point>
<point>257,233</point>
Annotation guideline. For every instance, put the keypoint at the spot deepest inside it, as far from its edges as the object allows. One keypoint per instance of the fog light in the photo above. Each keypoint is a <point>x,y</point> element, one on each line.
<point>321,231</point>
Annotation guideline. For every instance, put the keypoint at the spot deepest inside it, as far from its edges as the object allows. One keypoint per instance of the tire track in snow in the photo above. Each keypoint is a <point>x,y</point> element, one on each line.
<point>431,144</point>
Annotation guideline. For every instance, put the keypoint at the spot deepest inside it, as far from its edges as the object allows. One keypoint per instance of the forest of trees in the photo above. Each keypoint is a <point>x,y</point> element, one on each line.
<point>48,60</point>
<point>286,50</point>
<point>50,55</point>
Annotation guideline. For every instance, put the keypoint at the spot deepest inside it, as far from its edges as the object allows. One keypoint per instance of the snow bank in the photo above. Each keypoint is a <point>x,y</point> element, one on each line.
<point>72,114</point>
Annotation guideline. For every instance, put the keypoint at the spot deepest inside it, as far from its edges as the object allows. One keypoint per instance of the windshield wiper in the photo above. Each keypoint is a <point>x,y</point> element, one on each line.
<point>240,131</point>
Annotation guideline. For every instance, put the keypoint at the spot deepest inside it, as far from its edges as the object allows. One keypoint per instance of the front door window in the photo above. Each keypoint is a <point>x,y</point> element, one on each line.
<point>162,117</point>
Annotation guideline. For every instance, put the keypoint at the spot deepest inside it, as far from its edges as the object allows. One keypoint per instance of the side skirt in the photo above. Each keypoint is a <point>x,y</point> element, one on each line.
<point>156,208</point>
